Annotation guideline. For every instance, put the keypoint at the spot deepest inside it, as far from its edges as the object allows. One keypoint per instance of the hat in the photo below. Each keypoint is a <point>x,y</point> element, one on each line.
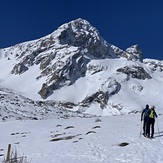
<point>147,106</point>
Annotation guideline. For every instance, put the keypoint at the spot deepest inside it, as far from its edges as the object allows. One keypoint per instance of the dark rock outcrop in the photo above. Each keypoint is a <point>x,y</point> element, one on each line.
<point>135,72</point>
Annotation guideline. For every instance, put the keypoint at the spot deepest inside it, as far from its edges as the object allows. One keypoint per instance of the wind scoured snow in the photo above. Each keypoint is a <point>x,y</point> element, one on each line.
<point>83,140</point>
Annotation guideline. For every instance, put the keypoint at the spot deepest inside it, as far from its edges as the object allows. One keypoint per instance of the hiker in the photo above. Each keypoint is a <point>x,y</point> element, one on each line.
<point>152,115</point>
<point>145,118</point>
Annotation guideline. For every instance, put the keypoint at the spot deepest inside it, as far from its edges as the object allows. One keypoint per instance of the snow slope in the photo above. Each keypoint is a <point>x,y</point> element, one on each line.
<point>89,140</point>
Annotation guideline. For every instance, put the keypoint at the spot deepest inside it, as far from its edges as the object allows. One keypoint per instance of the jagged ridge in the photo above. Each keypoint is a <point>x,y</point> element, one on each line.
<point>76,52</point>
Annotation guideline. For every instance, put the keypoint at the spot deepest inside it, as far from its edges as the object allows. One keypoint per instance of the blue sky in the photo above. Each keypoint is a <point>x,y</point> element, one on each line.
<point>121,22</point>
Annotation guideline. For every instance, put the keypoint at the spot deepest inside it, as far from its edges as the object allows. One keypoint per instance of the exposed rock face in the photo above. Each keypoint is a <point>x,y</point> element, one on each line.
<point>111,86</point>
<point>137,88</point>
<point>99,97</point>
<point>95,68</point>
<point>154,65</point>
<point>63,55</point>
<point>19,69</point>
<point>75,57</point>
<point>107,89</point>
<point>117,50</point>
<point>80,33</point>
<point>135,72</point>
<point>132,53</point>
<point>45,91</point>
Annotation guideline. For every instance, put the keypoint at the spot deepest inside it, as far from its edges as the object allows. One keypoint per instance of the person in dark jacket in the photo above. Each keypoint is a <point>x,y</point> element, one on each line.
<point>152,115</point>
<point>145,118</point>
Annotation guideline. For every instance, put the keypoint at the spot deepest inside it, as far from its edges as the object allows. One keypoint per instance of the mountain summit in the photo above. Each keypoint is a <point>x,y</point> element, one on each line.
<point>75,67</point>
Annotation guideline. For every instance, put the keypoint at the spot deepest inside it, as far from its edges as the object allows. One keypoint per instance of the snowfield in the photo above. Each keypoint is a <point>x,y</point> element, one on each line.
<point>114,139</point>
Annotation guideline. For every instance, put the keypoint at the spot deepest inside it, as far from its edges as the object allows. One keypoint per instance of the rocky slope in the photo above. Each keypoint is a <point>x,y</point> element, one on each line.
<point>76,68</point>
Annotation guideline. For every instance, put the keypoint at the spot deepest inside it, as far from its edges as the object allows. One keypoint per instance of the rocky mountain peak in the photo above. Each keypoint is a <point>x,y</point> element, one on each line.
<point>132,53</point>
<point>80,33</point>
<point>62,56</point>
<point>75,67</point>
<point>77,25</point>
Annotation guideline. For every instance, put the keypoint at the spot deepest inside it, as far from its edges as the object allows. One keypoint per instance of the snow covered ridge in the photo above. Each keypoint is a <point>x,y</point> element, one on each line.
<point>75,68</point>
<point>17,107</point>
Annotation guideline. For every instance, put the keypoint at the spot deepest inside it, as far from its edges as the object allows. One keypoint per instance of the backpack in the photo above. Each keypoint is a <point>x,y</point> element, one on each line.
<point>146,113</point>
<point>152,114</point>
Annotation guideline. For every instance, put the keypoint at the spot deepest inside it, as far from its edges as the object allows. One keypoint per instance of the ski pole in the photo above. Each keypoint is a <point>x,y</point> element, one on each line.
<point>140,129</point>
<point>158,127</point>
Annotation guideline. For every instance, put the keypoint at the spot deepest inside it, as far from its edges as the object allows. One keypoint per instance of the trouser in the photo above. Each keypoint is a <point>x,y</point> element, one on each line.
<point>145,125</point>
<point>150,126</point>
<point>152,122</point>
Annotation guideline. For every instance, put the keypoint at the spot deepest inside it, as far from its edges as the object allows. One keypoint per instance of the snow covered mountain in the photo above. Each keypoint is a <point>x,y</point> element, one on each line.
<point>75,68</point>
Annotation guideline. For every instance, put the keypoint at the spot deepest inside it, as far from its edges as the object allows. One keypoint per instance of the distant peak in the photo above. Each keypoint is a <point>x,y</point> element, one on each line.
<point>78,24</point>
<point>135,51</point>
<point>81,21</point>
<point>134,48</point>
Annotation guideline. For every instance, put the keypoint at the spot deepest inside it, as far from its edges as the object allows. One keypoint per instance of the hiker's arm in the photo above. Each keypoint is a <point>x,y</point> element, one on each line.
<point>142,115</point>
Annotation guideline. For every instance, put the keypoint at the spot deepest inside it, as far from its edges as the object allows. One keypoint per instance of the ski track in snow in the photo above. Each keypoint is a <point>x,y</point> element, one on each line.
<point>91,141</point>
